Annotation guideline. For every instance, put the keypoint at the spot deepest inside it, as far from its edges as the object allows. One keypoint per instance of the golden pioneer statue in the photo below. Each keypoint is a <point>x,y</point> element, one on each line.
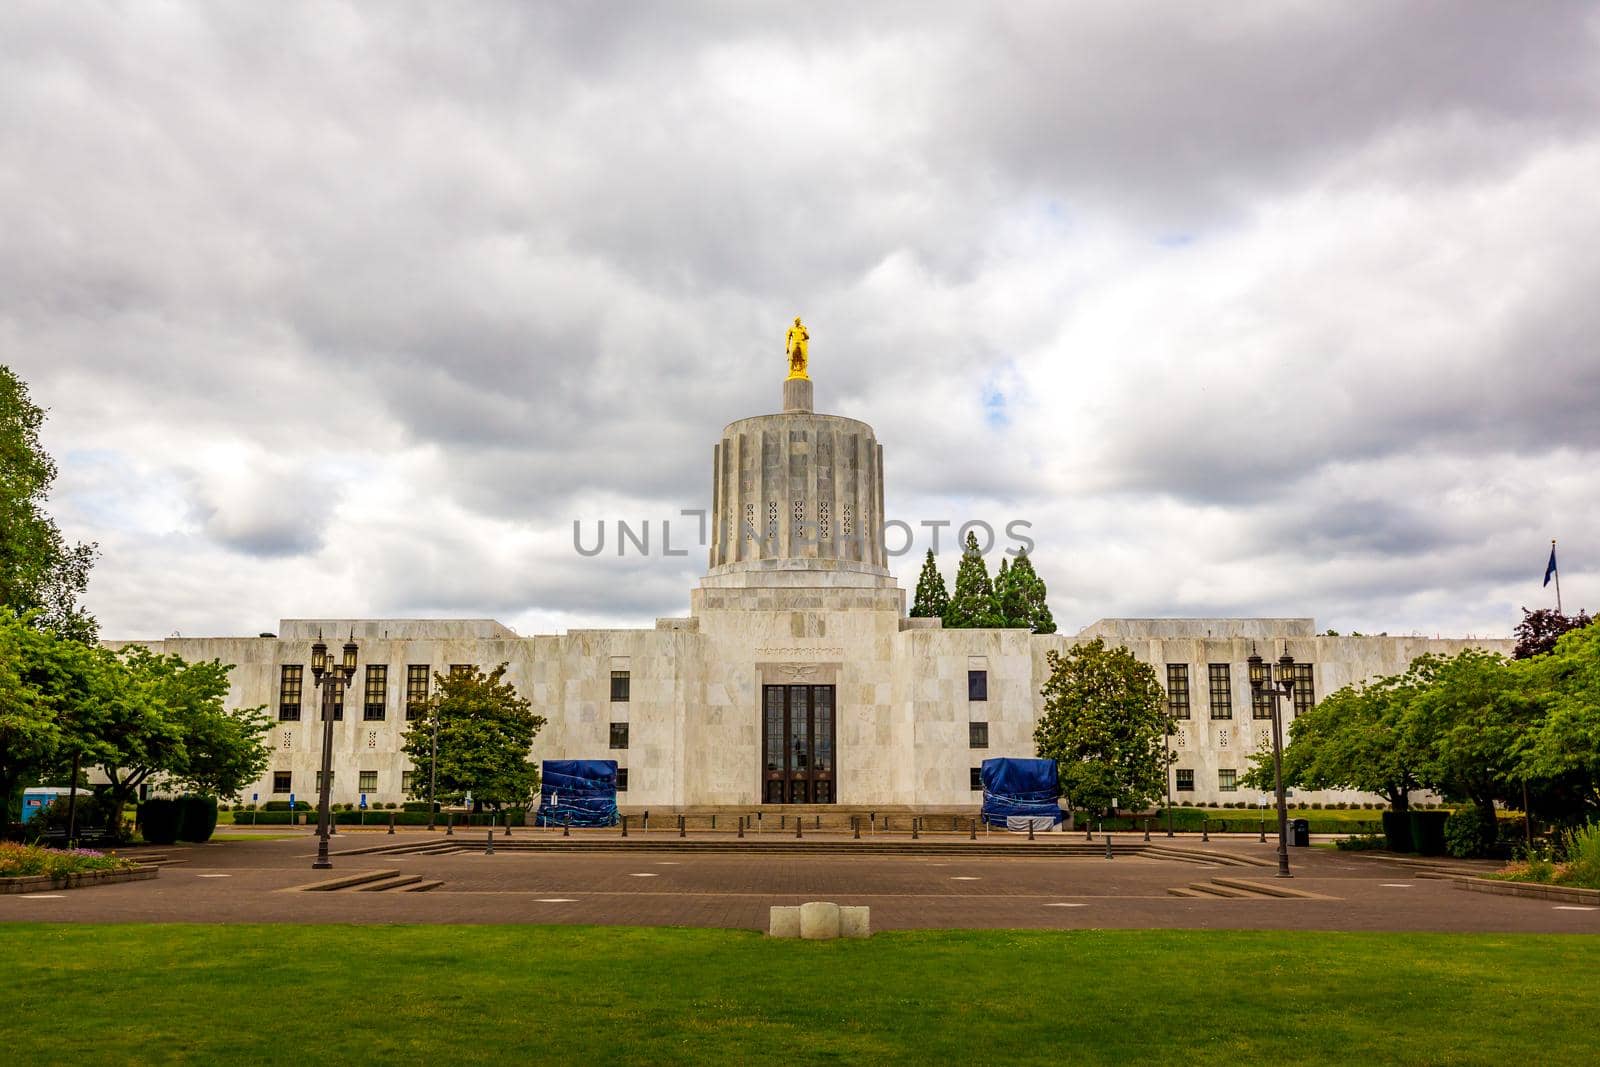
<point>795,345</point>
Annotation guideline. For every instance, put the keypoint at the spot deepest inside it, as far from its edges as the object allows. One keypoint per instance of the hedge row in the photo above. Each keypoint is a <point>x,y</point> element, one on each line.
<point>373,818</point>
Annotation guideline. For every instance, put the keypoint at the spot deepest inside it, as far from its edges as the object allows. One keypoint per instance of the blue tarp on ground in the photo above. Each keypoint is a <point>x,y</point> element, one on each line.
<point>577,792</point>
<point>1020,787</point>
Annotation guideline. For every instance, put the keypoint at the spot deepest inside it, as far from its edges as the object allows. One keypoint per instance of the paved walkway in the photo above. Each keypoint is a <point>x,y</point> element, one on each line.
<point>258,880</point>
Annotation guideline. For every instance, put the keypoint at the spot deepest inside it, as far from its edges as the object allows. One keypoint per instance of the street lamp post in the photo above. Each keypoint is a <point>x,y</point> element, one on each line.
<point>1261,682</point>
<point>1166,751</point>
<point>331,678</point>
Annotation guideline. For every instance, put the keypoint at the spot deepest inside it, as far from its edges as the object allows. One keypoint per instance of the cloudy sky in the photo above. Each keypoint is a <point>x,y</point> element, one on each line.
<point>1248,309</point>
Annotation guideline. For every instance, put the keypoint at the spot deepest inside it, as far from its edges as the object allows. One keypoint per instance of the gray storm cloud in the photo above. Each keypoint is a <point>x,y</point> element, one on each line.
<point>1255,308</point>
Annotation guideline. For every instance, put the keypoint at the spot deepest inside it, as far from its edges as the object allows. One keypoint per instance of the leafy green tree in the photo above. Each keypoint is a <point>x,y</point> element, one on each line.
<point>1104,722</point>
<point>486,732</point>
<point>39,571</point>
<point>164,720</point>
<point>1563,753</point>
<point>1025,600</point>
<point>1472,720</point>
<point>972,605</point>
<point>1355,738</point>
<point>932,597</point>
<point>52,700</point>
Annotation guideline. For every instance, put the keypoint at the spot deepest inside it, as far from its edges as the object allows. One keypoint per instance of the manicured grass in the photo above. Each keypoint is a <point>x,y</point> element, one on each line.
<point>509,994</point>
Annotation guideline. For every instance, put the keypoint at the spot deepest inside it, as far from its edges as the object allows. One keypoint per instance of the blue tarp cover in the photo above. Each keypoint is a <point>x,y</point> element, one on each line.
<point>1020,787</point>
<point>586,788</point>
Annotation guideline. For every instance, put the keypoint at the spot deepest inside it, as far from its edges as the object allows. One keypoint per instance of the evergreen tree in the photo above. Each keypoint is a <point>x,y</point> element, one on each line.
<point>1025,601</point>
<point>972,604</point>
<point>932,597</point>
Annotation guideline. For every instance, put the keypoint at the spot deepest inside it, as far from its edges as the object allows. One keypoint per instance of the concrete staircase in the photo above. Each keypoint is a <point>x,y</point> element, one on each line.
<point>373,882</point>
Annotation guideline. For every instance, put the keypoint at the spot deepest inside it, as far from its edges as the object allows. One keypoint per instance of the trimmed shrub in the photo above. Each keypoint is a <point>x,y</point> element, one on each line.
<point>1427,832</point>
<point>159,820</point>
<point>1397,831</point>
<point>1360,843</point>
<point>1467,833</point>
<point>197,818</point>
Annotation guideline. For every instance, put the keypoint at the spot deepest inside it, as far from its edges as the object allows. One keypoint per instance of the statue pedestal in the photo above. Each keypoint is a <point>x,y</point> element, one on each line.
<point>797,394</point>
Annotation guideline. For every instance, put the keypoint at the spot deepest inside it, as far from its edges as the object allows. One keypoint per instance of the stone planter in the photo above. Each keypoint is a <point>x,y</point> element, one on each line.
<point>38,883</point>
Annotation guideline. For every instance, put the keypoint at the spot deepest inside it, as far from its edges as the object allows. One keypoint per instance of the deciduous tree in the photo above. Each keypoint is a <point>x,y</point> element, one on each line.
<point>486,732</point>
<point>1104,723</point>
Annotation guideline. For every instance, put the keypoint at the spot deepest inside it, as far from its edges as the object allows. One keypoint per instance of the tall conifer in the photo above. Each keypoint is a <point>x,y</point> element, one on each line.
<point>1026,603</point>
<point>932,597</point>
<point>972,604</point>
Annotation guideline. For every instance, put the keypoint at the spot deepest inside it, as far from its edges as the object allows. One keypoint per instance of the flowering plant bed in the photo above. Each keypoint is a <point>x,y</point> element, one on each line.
<point>29,868</point>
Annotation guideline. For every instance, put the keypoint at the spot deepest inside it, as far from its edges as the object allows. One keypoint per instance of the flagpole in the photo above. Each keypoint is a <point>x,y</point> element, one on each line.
<point>1558,577</point>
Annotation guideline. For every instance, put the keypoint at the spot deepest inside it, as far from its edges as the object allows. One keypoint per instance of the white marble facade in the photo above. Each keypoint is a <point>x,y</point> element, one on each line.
<point>816,609</point>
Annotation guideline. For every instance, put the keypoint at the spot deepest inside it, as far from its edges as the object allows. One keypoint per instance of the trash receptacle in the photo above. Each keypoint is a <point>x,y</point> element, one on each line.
<point>1300,833</point>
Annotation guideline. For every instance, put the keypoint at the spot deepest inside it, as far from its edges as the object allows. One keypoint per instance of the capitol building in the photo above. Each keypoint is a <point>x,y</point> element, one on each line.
<point>796,677</point>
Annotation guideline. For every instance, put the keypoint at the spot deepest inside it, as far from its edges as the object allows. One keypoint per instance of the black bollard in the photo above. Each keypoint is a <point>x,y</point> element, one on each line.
<point>783,821</point>
<point>741,826</point>
<point>1108,846</point>
<point>508,824</point>
<point>1030,828</point>
<point>1147,829</point>
<point>646,820</point>
<point>488,848</point>
<point>972,829</point>
<point>1088,831</point>
<point>450,824</point>
<point>624,826</point>
<point>683,829</point>
<point>566,826</point>
<point>819,822</point>
<point>855,826</point>
<point>713,822</point>
<point>799,826</point>
<point>1205,829</point>
<point>915,823</point>
<point>391,822</point>
<point>333,824</point>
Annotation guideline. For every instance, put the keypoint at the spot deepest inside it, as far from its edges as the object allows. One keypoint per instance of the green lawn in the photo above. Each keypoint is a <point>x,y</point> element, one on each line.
<point>508,994</point>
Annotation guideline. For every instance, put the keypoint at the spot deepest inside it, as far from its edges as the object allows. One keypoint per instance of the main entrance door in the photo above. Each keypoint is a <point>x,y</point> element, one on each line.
<point>797,744</point>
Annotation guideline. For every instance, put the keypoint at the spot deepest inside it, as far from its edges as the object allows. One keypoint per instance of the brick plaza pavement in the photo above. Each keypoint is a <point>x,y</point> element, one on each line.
<point>648,884</point>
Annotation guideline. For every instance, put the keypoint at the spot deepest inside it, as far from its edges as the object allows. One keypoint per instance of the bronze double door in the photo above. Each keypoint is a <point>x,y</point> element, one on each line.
<point>797,750</point>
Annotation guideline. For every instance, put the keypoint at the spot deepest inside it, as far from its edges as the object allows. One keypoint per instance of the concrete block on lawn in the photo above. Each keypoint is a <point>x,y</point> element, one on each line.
<point>819,920</point>
<point>855,921</point>
<point>784,921</point>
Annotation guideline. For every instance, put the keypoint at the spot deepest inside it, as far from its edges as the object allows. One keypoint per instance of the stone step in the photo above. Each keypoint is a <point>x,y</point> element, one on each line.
<point>1215,890</point>
<point>392,883</point>
<point>420,887</point>
<point>347,881</point>
<point>1276,890</point>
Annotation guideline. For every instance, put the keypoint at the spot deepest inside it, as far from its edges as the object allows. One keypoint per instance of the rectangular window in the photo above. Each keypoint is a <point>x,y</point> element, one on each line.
<point>1178,690</point>
<point>976,781</point>
<point>622,779</point>
<point>977,685</point>
<point>416,690</point>
<point>408,779</point>
<point>1221,691</point>
<point>458,669</point>
<point>290,677</point>
<point>1228,780</point>
<point>282,781</point>
<point>1304,695</point>
<point>368,782</point>
<point>1185,781</point>
<point>620,687</point>
<point>619,735</point>
<point>1261,702</point>
<point>372,709</point>
<point>977,735</point>
<point>330,781</point>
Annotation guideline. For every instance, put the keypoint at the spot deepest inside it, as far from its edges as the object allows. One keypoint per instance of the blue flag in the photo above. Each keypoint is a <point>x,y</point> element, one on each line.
<point>1550,568</point>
